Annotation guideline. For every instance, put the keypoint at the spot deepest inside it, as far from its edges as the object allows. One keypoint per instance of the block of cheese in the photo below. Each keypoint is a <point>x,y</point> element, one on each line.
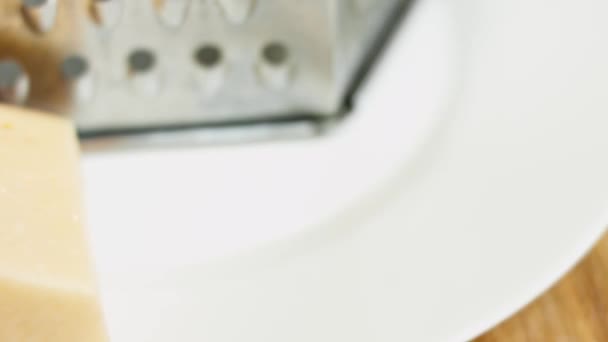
<point>47,283</point>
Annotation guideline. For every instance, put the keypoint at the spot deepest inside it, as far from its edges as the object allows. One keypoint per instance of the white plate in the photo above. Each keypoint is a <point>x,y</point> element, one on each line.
<point>472,175</point>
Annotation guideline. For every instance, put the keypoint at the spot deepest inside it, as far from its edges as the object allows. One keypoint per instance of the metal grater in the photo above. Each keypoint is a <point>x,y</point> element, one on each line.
<point>210,70</point>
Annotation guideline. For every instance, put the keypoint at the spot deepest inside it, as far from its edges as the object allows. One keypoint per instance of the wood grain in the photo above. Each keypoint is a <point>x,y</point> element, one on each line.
<point>576,309</point>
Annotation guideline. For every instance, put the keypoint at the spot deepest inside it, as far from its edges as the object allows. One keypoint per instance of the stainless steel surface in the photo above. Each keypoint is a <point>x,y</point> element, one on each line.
<point>134,65</point>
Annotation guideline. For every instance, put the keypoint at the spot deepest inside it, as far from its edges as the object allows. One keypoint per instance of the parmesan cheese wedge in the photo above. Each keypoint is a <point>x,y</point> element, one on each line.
<point>47,283</point>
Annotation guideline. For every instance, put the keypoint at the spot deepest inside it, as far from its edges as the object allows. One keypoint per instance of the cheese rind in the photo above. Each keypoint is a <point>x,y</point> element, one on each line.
<point>47,283</point>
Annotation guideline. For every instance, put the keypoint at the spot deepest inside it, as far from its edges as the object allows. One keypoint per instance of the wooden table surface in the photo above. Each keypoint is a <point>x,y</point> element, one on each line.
<point>576,309</point>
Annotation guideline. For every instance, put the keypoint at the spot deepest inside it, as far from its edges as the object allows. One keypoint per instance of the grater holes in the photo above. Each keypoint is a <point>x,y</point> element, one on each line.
<point>9,72</point>
<point>14,83</point>
<point>235,59</point>
<point>145,76</point>
<point>39,15</point>
<point>274,69</point>
<point>141,60</point>
<point>208,56</point>
<point>74,67</point>
<point>106,14</point>
<point>237,11</point>
<point>172,13</point>
<point>275,53</point>
<point>210,75</point>
<point>76,70</point>
<point>34,3</point>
